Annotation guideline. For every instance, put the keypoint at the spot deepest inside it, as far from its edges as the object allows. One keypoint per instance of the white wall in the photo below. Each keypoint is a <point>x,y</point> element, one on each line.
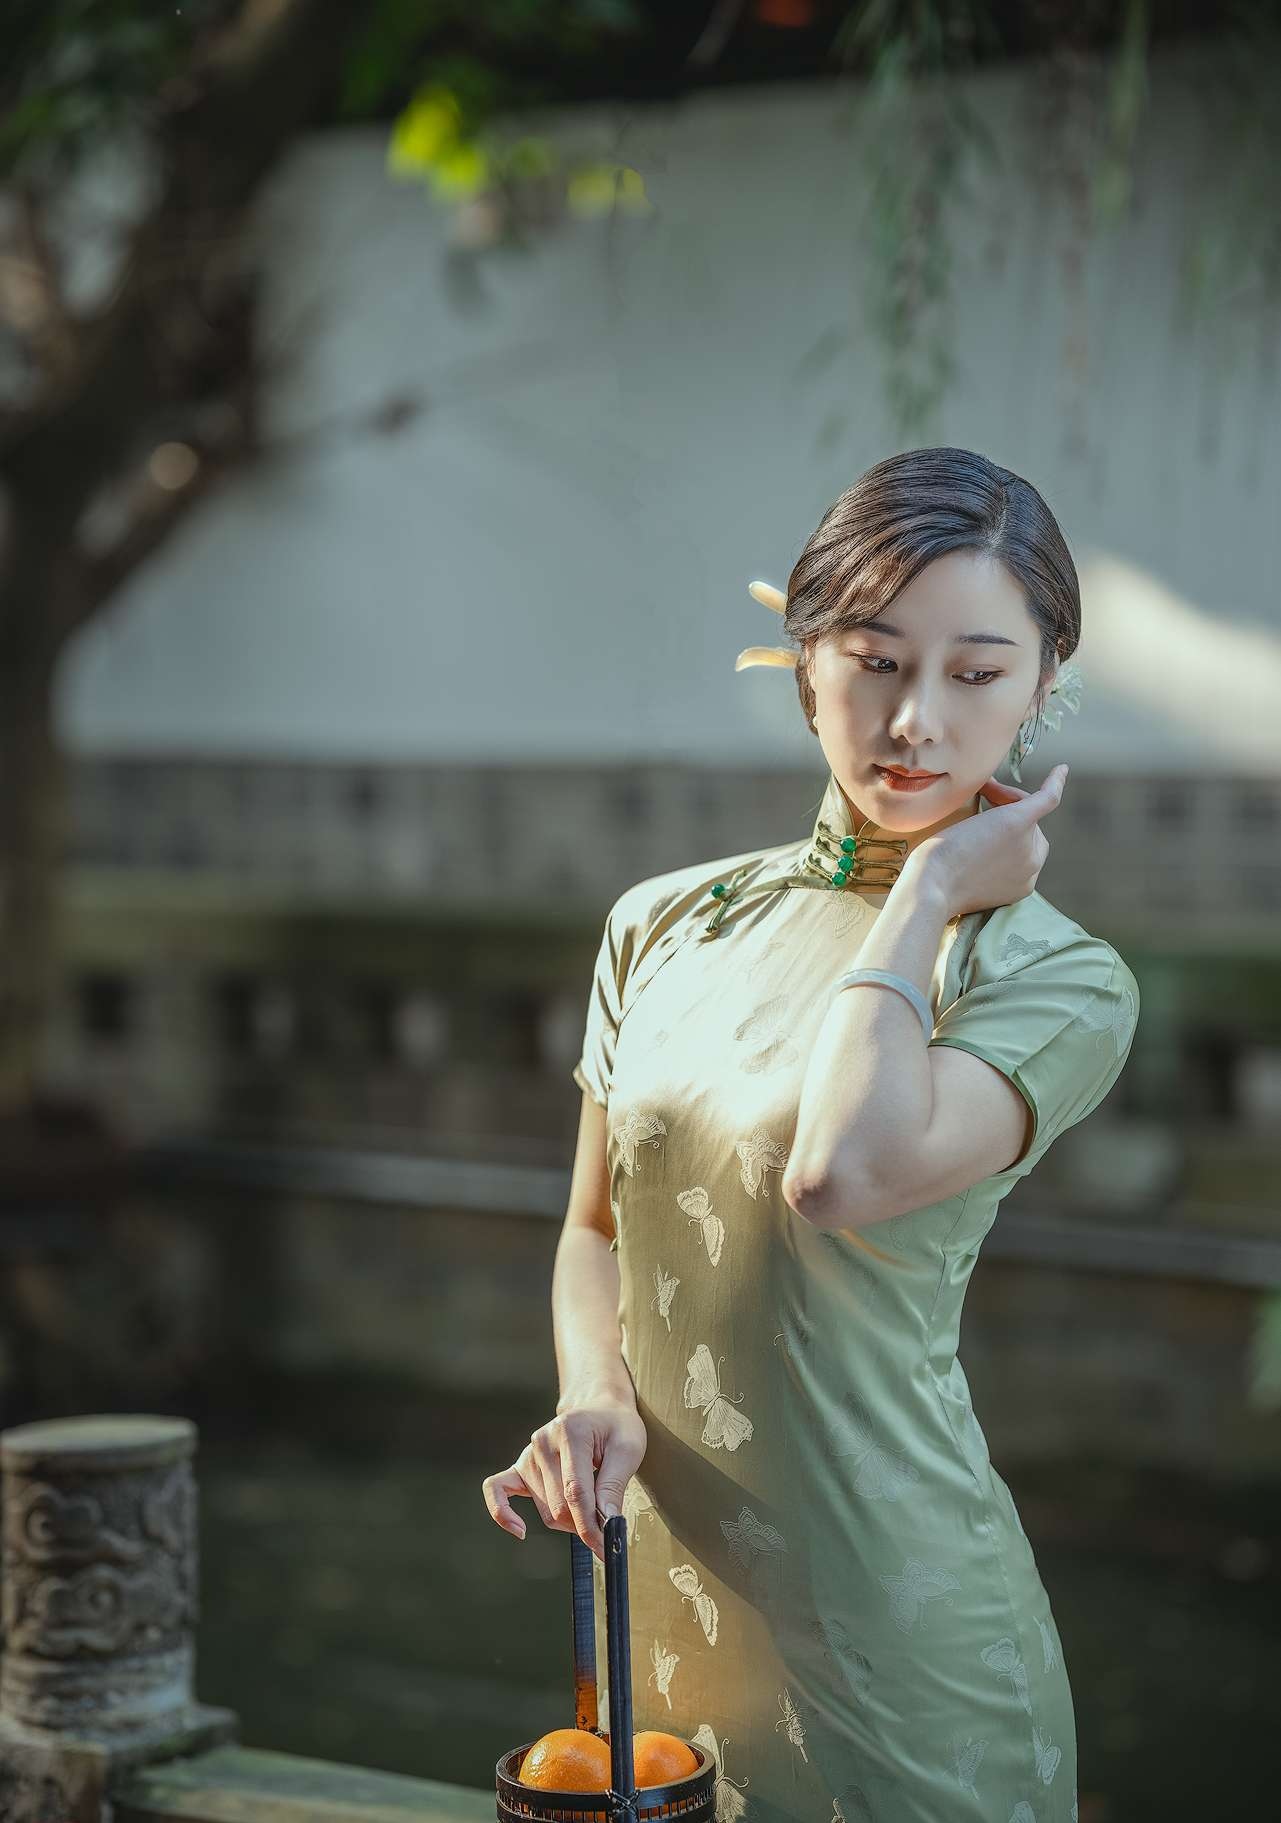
<point>552,560</point>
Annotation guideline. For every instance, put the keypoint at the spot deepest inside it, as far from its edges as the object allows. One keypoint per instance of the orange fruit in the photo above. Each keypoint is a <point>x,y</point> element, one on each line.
<point>659,1757</point>
<point>567,1759</point>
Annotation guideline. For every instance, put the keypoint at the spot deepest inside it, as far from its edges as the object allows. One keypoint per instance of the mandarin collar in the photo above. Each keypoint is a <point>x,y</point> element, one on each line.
<point>836,857</point>
<point>834,823</point>
<point>837,849</point>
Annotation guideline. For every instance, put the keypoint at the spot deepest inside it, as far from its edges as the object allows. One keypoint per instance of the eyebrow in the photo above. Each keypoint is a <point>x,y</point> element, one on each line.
<point>961,639</point>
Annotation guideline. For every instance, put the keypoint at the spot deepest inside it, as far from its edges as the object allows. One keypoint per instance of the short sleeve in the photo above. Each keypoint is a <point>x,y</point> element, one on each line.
<point>646,925</point>
<point>1059,1024</point>
<point>595,1067</point>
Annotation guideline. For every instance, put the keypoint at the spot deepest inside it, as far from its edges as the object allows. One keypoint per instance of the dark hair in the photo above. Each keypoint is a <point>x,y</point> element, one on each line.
<point>902,514</point>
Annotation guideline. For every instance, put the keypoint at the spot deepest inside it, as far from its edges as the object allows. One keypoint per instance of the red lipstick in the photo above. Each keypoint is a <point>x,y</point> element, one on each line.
<point>898,778</point>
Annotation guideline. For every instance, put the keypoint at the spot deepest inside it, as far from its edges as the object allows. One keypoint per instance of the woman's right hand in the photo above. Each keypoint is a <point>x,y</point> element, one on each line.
<point>996,858</point>
<point>574,1468</point>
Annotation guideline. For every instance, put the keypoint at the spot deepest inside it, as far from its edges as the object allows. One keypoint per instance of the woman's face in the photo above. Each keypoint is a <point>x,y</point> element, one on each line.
<point>925,697</point>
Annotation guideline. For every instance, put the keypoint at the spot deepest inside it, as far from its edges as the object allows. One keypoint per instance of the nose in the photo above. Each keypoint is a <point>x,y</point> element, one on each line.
<point>917,723</point>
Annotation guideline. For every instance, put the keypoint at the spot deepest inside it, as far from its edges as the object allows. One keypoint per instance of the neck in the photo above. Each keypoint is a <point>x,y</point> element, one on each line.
<point>842,849</point>
<point>913,837</point>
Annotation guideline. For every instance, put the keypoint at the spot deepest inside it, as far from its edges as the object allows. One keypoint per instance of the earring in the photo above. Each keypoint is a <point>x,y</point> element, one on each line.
<point>1067,686</point>
<point>1024,741</point>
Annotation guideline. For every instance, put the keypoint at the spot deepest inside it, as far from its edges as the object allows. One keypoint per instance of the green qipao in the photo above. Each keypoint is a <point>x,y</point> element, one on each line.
<point>830,1587</point>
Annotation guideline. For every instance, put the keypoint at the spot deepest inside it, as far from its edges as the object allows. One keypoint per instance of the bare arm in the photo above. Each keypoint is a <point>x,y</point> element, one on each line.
<point>576,1467</point>
<point>585,1282</point>
<point>885,1125</point>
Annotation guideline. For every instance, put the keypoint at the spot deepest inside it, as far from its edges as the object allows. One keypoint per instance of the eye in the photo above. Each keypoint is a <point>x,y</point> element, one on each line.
<point>975,679</point>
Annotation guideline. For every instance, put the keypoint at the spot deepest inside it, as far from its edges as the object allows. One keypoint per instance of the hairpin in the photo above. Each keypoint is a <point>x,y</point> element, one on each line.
<point>774,598</point>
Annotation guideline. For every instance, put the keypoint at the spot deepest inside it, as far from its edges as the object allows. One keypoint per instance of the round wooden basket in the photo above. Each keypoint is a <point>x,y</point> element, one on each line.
<point>691,1798</point>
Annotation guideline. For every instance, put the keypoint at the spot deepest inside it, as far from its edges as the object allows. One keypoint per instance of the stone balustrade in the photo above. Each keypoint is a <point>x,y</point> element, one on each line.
<point>99,1721</point>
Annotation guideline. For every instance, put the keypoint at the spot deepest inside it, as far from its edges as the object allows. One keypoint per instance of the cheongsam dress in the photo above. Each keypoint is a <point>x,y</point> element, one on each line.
<point>830,1587</point>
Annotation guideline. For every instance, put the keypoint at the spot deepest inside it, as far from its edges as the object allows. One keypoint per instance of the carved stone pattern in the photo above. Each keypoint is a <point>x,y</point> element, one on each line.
<point>93,1697</point>
<point>98,1568</point>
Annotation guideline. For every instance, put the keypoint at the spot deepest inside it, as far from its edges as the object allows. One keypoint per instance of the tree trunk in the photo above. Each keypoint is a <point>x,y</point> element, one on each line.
<point>33,837</point>
<point>257,84</point>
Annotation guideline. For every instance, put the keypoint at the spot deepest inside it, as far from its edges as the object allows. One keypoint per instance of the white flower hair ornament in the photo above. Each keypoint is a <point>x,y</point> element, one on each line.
<point>1067,686</point>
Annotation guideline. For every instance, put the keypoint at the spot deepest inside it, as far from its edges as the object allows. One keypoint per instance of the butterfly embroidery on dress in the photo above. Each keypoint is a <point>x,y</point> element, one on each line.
<point>1114,1015</point>
<point>1023,949</point>
<point>852,913</point>
<point>919,1583</point>
<point>730,1802</point>
<point>1023,1812</point>
<point>833,1636</point>
<point>791,1721</point>
<point>755,1547</point>
<point>764,1027</point>
<point>1047,1646</point>
<point>749,1538</point>
<point>723,1426</point>
<point>756,1155</point>
<point>685,1578</point>
<point>854,1806</point>
<point>967,1754</point>
<point>666,1292</point>
<point>697,1205</point>
<point>1047,1757</point>
<point>881,1474</point>
<point>637,1505</point>
<point>637,1130</point>
<point>664,1664</point>
<point>1005,1657</point>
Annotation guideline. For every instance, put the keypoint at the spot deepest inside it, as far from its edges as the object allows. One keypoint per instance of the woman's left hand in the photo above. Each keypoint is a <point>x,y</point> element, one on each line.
<point>996,856</point>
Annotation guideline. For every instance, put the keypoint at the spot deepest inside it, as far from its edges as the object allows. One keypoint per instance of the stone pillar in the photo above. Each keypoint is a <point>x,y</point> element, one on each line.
<point>100,1605</point>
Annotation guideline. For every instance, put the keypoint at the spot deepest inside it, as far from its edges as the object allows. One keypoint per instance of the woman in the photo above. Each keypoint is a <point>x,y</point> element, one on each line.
<point>781,1186</point>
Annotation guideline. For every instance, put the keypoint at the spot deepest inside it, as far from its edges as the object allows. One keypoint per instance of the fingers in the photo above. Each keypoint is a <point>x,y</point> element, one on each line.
<point>578,1482</point>
<point>498,1491</point>
<point>616,1470</point>
<point>1043,799</point>
<point>544,1484</point>
<point>523,1477</point>
<point>557,1470</point>
<point>996,791</point>
<point>1049,792</point>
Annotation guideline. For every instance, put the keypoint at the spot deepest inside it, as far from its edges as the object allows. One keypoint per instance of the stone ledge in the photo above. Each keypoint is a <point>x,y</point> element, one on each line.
<point>47,1773</point>
<point>249,1785</point>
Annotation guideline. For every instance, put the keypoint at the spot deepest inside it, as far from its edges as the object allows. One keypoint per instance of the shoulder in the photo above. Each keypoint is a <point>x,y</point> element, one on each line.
<point>659,903</point>
<point>651,919</point>
<point>1048,1003</point>
<point>1032,936</point>
<point>1025,972</point>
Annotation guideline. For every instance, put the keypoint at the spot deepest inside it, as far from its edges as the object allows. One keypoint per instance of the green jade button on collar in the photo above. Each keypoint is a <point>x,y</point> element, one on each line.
<point>829,842</point>
<point>842,874</point>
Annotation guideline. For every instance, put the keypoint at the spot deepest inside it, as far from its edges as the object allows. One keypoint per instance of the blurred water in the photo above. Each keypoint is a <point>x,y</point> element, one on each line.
<point>367,1609</point>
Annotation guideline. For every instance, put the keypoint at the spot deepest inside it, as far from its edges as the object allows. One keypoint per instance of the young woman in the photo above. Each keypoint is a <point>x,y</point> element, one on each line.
<point>783,1177</point>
